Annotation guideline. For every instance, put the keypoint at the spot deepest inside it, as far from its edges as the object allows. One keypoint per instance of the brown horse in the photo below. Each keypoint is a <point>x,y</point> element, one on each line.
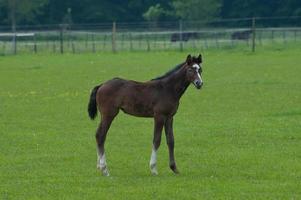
<point>157,98</point>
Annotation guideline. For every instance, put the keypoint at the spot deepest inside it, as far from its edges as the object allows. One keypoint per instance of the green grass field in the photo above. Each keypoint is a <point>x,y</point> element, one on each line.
<point>237,138</point>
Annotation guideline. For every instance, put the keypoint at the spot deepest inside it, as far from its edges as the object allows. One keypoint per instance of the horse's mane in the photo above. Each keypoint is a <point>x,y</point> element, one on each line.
<point>169,72</point>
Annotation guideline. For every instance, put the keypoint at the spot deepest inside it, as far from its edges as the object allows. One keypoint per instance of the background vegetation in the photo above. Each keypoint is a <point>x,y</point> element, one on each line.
<point>96,11</point>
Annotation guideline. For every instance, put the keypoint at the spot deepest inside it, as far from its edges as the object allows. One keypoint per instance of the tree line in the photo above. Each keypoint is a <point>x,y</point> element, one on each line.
<point>35,12</point>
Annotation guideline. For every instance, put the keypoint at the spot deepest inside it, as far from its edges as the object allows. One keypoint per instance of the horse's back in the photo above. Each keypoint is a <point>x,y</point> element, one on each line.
<point>117,84</point>
<point>114,90</point>
<point>111,87</point>
<point>136,98</point>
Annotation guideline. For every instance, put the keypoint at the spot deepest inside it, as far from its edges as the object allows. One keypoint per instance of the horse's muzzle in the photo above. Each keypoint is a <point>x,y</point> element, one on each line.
<point>198,84</point>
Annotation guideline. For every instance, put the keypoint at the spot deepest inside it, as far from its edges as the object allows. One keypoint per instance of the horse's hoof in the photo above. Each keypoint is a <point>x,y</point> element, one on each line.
<point>154,173</point>
<point>174,169</point>
<point>103,170</point>
<point>105,173</point>
<point>153,169</point>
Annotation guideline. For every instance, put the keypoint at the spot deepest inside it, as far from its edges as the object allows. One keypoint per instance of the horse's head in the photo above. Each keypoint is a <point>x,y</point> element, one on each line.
<point>194,70</point>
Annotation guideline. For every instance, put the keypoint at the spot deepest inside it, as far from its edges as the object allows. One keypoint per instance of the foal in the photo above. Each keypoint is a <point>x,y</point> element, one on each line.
<point>157,98</point>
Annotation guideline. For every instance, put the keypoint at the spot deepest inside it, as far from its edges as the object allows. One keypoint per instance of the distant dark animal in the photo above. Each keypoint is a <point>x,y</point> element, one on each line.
<point>185,36</point>
<point>158,98</point>
<point>241,35</point>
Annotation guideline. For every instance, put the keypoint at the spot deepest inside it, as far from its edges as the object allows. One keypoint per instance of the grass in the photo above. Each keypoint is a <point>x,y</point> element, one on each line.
<point>237,138</point>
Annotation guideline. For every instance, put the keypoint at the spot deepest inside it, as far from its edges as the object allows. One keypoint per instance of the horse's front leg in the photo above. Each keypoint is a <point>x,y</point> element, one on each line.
<point>170,142</point>
<point>159,123</point>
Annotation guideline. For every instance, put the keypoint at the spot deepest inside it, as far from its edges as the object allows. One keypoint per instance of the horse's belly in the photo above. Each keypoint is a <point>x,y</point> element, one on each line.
<point>138,114</point>
<point>137,101</point>
<point>139,110</point>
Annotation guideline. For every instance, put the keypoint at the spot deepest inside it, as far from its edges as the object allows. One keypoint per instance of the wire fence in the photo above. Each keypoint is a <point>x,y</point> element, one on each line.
<point>245,33</point>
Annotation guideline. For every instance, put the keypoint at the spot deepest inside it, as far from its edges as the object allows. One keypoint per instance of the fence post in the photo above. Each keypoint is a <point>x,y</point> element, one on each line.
<point>155,42</point>
<point>35,44</point>
<point>62,38</point>
<point>104,42</point>
<point>295,34</point>
<point>193,44</point>
<point>272,36</point>
<point>93,44</point>
<point>131,42</point>
<point>206,43</point>
<point>13,21</point>
<point>148,44</point>
<point>259,37</point>
<point>232,43</point>
<point>68,39</point>
<point>216,39</point>
<point>4,47</point>
<point>181,34</point>
<point>253,34</point>
<point>73,47</point>
<point>47,41</point>
<point>114,37</point>
<point>86,41</point>
<point>53,46</point>
<point>284,37</point>
<point>14,43</point>
<point>140,41</point>
<point>122,41</point>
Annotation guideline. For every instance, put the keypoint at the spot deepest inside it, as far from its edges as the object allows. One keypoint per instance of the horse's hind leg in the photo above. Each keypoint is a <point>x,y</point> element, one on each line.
<point>101,133</point>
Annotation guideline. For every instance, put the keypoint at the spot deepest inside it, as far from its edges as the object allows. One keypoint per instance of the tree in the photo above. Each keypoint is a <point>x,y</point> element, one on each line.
<point>197,9</point>
<point>158,13</point>
<point>22,11</point>
<point>260,8</point>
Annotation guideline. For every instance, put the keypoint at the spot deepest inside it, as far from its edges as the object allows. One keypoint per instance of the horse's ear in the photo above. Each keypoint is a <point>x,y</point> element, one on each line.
<point>189,59</point>
<point>200,59</point>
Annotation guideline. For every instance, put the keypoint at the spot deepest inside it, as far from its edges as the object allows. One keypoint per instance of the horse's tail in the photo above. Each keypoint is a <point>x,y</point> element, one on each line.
<point>92,106</point>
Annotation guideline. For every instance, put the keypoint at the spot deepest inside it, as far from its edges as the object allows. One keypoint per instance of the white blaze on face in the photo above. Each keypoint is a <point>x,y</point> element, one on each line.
<point>197,68</point>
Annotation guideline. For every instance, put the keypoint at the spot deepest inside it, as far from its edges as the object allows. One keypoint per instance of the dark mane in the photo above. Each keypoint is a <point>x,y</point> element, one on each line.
<point>169,72</point>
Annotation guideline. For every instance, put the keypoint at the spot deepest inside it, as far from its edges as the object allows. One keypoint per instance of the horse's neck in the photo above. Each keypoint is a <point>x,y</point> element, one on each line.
<point>177,83</point>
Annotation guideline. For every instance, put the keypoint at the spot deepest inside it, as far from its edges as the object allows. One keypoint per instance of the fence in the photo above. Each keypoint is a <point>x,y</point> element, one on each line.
<point>151,36</point>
